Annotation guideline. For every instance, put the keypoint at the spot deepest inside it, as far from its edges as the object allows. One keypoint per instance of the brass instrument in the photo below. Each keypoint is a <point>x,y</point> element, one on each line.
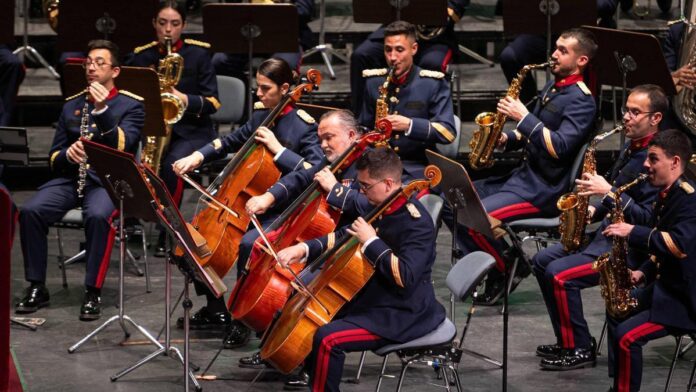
<point>639,11</point>
<point>491,124</point>
<point>573,207</point>
<point>50,9</point>
<point>427,33</point>
<point>614,275</point>
<point>684,102</point>
<point>169,71</point>
<point>84,134</point>
<point>382,106</point>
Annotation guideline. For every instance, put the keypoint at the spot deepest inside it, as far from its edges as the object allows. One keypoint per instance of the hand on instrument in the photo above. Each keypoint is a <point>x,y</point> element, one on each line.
<point>592,184</point>
<point>618,230</point>
<point>267,137</point>
<point>362,230</point>
<point>186,164</point>
<point>513,108</point>
<point>325,179</point>
<point>502,140</point>
<point>293,254</point>
<point>684,77</point>
<point>590,211</point>
<point>637,277</point>
<point>99,93</point>
<point>183,97</point>
<point>76,152</point>
<point>260,204</point>
<point>399,123</point>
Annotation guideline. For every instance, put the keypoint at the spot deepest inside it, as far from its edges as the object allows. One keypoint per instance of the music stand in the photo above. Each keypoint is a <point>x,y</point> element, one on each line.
<point>30,52</point>
<point>264,29</point>
<point>115,20</point>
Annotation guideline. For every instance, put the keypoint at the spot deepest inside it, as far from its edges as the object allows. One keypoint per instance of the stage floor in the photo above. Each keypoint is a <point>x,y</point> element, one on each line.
<point>46,365</point>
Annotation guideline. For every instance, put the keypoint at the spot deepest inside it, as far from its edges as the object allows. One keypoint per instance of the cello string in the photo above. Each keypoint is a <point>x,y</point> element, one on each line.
<point>205,193</point>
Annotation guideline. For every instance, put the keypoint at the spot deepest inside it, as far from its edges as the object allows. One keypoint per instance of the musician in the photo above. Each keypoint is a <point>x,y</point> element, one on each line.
<point>115,119</point>
<point>420,103</point>
<point>434,54</point>
<point>294,144</point>
<point>561,275</point>
<point>551,135</point>
<point>12,73</point>
<point>398,303</point>
<point>666,305</point>
<point>233,64</point>
<point>684,77</point>
<point>197,89</point>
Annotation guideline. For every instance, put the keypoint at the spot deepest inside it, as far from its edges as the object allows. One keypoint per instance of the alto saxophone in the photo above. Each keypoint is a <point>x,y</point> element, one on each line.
<point>485,139</point>
<point>614,275</point>
<point>382,106</point>
<point>84,134</point>
<point>573,207</point>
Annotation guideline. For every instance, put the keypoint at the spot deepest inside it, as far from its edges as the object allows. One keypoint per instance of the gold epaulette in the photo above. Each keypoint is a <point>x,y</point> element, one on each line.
<point>196,42</point>
<point>131,95</point>
<point>584,88</point>
<point>413,211</point>
<point>686,187</point>
<point>70,98</point>
<point>144,47</point>
<point>305,117</point>
<point>368,73</point>
<point>426,73</point>
<point>258,105</point>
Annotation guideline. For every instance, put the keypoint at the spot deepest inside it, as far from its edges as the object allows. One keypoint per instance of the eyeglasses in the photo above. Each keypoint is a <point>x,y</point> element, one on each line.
<point>633,113</point>
<point>99,63</point>
<point>365,188</point>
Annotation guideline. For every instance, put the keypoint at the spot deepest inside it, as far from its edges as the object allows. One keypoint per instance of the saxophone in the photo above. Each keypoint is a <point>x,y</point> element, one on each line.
<point>169,72</point>
<point>573,207</point>
<point>485,139</point>
<point>382,106</point>
<point>614,275</point>
<point>84,134</point>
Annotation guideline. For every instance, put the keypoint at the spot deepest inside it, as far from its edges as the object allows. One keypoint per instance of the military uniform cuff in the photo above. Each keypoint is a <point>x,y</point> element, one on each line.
<point>375,250</point>
<point>195,104</point>
<point>420,129</point>
<point>338,196</point>
<point>529,124</point>
<point>288,160</point>
<point>640,237</point>
<point>279,192</point>
<point>207,151</point>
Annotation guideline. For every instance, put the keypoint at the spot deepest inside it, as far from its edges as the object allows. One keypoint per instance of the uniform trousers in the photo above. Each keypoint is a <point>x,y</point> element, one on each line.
<point>330,343</point>
<point>48,206</point>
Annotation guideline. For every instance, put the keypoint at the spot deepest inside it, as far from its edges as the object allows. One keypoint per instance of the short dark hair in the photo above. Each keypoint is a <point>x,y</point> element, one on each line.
<point>673,142</point>
<point>656,95</point>
<point>381,162</point>
<point>278,71</point>
<point>345,117</point>
<point>587,43</point>
<point>400,27</point>
<point>108,45</point>
<point>178,6</point>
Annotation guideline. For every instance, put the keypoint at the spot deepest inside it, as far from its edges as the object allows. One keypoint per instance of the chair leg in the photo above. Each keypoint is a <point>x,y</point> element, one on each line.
<point>381,373</point>
<point>674,362</point>
<point>404,367</point>
<point>691,378</point>
<point>602,336</point>
<point>455,374</point>
<point>61,258</point>
<point>360,366</point>
<point>445,378</point>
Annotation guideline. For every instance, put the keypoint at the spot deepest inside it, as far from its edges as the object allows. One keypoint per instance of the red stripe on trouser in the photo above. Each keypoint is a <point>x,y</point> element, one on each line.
<point>104,265</point>
<point>562,300</point>
<point>179,191</point>
<point>631,336</point>
<point>483,243</point>
<point>331,340</point>
<point>446,60</point>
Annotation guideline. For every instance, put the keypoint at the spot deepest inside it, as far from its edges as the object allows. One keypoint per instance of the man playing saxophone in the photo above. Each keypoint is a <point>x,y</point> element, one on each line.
<point>667,302</point>
<point>552,135</point>
<point>111,117</point>
<point>562,274</point>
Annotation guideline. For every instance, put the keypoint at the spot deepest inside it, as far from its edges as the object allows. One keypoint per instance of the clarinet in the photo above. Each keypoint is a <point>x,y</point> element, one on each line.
<point>84,133</point>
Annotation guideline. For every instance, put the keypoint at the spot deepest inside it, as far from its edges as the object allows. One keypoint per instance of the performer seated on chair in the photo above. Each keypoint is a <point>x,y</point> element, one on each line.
<point>197,89</point>
<point>552,135</point>
<point>398,303</point>
<point>12,73</point>
<point>563,274</point>
<point>294,143</point>
<point>667,302</point>
<point>419,101</point>
<point>435,52</point>
<point>113,118</point>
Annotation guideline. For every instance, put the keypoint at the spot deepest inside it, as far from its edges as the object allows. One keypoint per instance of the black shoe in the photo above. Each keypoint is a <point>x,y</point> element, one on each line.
<point>253,362</point>
<point>549,350</point>
<point>36,297</point>
<point>237,335</point>
<point>572,359</point>
<point>91,306</point>
<point>495,287</point>
<point>297,382</point>
<point>204,319</point>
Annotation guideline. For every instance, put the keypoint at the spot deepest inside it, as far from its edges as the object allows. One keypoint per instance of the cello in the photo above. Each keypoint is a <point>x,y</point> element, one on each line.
<point>343,274</point>
<point>248,174</point>
<point>265,289</point>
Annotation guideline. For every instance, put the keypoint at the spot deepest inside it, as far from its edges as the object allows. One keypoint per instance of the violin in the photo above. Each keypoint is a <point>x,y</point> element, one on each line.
<point>343,274</point>
<point>266,287</point>
<point>248,174</point>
